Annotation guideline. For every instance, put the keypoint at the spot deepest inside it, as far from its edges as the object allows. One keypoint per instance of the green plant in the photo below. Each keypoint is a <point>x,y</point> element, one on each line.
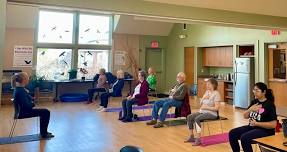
<point>36,81</point>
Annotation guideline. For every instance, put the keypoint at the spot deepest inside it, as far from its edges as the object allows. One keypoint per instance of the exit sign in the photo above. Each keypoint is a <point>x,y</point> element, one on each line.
<point>154,44</point>
<point>275,32</point>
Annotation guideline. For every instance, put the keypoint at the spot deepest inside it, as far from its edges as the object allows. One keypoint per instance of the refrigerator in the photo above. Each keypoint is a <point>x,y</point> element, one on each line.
<point>244,77</point>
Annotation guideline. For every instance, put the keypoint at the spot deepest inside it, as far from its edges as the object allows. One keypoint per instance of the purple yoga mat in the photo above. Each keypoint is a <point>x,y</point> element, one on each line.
<point>214,139</point>
<point>145,118</point>
<point>118,109</point>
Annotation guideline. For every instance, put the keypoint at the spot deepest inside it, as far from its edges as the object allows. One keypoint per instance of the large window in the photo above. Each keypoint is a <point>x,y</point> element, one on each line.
<point>54,63</point>
<point>92,61</point>
<point>67,40</point>
<point>55,27</point>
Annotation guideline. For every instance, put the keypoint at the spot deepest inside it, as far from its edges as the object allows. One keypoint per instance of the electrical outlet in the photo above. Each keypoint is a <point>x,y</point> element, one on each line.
<point>202,70</point>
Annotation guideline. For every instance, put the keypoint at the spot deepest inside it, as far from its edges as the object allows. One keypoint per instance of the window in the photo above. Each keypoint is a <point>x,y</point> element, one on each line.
<point>55,27</point>
<point>60,34</point>
<point>94,29</point>
<point>54,64</point>
<point>92,61</point>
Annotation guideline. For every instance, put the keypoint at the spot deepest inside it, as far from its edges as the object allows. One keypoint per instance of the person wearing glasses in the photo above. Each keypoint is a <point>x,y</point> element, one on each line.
<point>262,119</point>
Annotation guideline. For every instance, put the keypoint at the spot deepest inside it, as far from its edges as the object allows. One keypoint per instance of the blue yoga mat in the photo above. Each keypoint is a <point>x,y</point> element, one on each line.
<point>19,139</point>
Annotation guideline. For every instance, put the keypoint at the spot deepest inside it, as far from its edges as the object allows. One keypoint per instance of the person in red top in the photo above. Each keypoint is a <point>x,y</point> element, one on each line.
<point>139,97</point>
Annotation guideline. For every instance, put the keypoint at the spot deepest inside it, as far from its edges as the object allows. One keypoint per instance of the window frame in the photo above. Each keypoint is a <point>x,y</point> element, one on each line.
<point>74,46</point>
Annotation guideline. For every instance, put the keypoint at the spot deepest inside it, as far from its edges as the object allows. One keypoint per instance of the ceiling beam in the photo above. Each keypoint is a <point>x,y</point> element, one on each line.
<point>170,12</point>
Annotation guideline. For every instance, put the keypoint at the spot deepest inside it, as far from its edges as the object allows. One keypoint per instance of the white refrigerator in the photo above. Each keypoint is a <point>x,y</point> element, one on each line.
<point>243,81</point>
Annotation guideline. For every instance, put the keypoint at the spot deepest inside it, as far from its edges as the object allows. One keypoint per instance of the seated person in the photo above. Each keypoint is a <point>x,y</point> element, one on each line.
<point>151,79</point>
<point>102,85</point>
<point>175,99</point>
<point>115,91</point>
<point>24,100</point>
<point>138,97</point>
<point>208,110</point>
<point>262,119</point>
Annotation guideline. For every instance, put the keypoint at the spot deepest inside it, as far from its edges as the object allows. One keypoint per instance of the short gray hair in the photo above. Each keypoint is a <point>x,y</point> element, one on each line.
<point>142,73</point>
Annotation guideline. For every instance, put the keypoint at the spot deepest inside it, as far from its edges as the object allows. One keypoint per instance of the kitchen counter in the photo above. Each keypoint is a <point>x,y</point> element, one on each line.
<point>221,80</point>
<point>278,80</point>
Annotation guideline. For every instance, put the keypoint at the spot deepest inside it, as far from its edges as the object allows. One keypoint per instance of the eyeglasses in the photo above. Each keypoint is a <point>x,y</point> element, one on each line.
<point>256,90</point>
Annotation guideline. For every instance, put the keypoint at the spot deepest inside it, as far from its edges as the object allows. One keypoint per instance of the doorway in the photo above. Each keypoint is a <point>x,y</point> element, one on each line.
<point>155,57</point>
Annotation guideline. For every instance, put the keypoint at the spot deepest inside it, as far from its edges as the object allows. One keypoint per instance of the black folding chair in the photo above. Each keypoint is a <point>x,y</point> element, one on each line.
<point>16,117</point>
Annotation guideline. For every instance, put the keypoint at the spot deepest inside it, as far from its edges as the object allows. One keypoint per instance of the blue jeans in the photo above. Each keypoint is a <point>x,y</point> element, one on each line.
<point>246,134</point>
<point>165,104</point>
<point>127,108</point>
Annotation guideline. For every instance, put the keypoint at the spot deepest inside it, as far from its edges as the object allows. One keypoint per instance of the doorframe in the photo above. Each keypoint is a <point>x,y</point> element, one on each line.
<point>194,62</point>
<point>163,72</point>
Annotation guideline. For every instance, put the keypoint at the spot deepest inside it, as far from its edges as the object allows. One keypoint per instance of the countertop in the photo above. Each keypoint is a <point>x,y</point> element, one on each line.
<point>219,80</point>
<point>278,80</point>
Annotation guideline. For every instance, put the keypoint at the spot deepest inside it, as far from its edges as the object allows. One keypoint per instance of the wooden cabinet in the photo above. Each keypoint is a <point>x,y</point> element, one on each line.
<point>218,56</point>
<point>201,88</point>
<point>220,89</point>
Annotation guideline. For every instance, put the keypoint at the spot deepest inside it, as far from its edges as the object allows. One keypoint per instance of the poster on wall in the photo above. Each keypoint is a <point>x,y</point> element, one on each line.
<point>23,56</point>
<point>120,58</point>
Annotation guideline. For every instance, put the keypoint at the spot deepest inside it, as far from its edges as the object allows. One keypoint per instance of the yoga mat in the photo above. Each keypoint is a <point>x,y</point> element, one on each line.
<point>19,139</point>
<point>118,109</point>
<point>146,118</point>
<point>214,139</point>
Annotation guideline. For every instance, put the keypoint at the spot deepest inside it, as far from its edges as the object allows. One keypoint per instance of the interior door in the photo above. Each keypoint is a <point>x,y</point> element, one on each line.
<point>155,58</point>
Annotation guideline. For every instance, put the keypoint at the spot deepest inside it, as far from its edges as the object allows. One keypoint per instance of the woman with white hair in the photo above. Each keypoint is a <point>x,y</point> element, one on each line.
<point>114,91</point>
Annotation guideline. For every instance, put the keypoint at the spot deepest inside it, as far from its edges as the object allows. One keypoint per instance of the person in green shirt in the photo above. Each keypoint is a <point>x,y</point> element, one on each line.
<point>151,79</point>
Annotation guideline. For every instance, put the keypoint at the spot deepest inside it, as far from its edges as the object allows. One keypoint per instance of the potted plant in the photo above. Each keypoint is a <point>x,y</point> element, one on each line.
<point>73,73</point>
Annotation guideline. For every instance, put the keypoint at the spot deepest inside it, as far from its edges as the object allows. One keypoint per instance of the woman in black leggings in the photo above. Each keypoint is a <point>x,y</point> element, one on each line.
<point>262,119</point>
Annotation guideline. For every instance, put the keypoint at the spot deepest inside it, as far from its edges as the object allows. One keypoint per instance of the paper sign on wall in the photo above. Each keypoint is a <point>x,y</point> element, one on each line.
<point>120,58</point>
<point>23,56</point>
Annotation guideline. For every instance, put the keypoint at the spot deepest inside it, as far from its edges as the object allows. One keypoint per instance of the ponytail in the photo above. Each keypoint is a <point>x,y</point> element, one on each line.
<point>268,92</point>
<point>269,95</point>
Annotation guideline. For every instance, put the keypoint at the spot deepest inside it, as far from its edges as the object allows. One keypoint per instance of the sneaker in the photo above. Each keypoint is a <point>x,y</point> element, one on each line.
<point>88,102</point>
<point>47,136</point>
<point>190,139</point>
<point>122,118</point>
<point>152,122</point>
<point>100,108</point>
<point>158,125</point>
<point>103,110</point>
<point>197,142</point>
<point>127,120</point>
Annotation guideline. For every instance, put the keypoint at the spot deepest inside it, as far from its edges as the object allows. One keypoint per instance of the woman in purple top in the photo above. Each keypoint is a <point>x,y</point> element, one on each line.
<point>139,97</point>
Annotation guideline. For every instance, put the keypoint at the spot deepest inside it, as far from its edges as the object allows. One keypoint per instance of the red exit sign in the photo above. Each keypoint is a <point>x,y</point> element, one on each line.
<point>275,32</point>
<point>154,44</point>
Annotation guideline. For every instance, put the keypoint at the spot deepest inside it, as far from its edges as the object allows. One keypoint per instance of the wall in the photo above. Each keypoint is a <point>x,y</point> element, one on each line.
<point>145,42</point>
<point>2,38</point>
<point>130,45</point>
<point>16,36</point>
<point>203,35</point>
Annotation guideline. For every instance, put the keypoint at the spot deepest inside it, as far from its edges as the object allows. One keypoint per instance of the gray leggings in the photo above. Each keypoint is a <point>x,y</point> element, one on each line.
<point>197,118</point>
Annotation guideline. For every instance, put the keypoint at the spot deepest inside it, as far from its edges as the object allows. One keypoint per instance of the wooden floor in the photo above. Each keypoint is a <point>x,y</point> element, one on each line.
<point>79,128</point>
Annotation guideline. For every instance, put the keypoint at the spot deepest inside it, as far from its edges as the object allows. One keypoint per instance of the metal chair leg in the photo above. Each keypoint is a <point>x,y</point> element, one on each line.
<point>208,128</point>
<point>221,125</point>
<point>13,128</point>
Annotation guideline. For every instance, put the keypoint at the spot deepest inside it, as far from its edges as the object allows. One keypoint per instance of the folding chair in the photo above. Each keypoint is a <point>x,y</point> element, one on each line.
<point>210,120</point>
<point>16,117</point>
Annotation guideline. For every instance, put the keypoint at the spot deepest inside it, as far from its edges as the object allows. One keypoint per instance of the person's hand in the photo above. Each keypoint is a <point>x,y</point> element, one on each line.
<point>255,107</point>
<point>204,107</point>
<point>253,122</point>
<point>129,97</point>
